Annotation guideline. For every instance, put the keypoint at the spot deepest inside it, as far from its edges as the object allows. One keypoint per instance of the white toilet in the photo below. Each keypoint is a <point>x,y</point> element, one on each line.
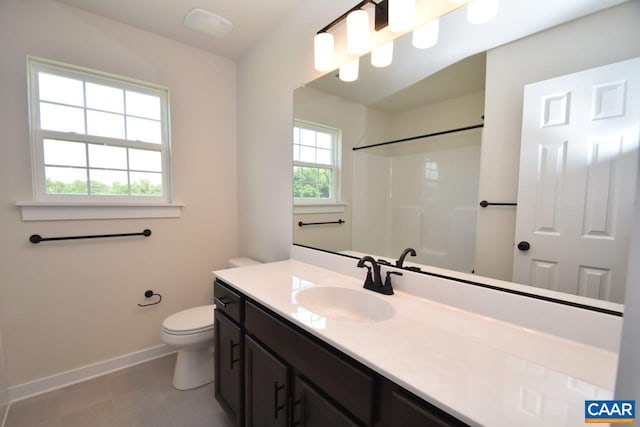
<point>191,331</point>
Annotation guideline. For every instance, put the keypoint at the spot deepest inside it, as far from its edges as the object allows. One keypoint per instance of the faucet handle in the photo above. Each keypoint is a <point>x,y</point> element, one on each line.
<point>387,282</point>
<point>368,282</point>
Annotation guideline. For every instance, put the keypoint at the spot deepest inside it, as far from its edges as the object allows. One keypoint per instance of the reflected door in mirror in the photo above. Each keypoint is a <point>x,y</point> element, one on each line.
<point>576,198</point>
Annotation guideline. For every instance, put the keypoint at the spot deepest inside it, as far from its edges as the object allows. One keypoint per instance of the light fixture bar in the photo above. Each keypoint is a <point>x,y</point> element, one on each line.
<point>344,15</point>
<point>381,15</point>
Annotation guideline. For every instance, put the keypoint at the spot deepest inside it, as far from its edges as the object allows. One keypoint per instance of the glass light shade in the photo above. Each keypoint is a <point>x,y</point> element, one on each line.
<point>324,55</point>
<point>383,55</point>
<point>481,11</point>
<point>349,71</point>
<point>402,14</point>
<point>358,32</point>
<point>426,36</point>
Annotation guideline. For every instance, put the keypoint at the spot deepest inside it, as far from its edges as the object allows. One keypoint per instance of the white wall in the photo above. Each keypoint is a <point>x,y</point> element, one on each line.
<point>461,111</point>
<point>602,38</point>
<point>267,77</point>
<point>68,304</point>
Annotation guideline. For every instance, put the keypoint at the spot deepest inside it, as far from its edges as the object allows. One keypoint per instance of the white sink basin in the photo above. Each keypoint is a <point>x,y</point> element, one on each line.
<point>345,304</point>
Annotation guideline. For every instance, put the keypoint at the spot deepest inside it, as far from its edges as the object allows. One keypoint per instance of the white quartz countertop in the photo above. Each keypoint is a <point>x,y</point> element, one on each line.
<point>480,370</point>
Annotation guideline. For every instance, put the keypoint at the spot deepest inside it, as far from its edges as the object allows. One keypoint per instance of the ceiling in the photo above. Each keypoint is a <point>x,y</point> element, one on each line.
<point>251,19</point>
<point>463,77</point>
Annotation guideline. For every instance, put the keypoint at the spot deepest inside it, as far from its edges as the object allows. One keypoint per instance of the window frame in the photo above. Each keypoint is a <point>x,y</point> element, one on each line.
<point>335,166</point>
<point>38,135</point>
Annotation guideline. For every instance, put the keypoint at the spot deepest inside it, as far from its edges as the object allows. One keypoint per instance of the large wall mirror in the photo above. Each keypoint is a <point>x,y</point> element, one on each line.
<point>537,112</point>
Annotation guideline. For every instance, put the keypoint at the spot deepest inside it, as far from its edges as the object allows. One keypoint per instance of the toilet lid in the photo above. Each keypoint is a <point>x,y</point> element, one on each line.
<point>195,318</point>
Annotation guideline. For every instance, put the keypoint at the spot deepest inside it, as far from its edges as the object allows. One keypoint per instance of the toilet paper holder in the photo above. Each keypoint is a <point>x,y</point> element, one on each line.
<point>148,294</point>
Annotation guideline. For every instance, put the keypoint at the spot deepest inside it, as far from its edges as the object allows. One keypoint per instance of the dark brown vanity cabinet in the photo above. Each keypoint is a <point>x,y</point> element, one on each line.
<point>271,373</point>
<point>276,397</point>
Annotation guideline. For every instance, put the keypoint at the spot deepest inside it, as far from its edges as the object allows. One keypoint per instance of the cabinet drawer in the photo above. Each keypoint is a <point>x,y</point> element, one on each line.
<point>227,301</point>
<point>338,378</point>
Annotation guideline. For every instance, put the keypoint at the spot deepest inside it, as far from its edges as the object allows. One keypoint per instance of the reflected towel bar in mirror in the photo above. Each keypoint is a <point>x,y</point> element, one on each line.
<point>484,204</point>
<point>303,224</point>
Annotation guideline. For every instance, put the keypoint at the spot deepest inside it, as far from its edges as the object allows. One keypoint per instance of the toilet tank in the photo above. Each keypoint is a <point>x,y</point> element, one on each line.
<point>242,262</point>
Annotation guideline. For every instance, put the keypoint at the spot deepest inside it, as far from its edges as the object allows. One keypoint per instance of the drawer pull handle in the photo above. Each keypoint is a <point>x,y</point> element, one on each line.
<point>231,359</point>
<point>277,408</point>
<point>221,302</point>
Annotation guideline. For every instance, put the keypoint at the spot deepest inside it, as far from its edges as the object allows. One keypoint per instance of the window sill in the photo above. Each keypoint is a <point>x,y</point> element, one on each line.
<point>57,211</point>
<point>301,209</point>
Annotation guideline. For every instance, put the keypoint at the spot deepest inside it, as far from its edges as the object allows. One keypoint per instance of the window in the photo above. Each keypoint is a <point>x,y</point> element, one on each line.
<point>97,137</point>
<point>315,163</point>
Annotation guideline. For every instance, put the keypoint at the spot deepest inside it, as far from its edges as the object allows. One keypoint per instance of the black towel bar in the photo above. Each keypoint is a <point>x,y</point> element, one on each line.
<point>36,238</point>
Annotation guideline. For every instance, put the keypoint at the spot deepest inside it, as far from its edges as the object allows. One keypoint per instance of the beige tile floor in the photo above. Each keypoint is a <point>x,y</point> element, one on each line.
<point>139,396</point>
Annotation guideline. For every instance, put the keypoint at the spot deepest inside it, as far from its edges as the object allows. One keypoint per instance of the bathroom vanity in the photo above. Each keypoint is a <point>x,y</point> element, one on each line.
<point>300,345</point>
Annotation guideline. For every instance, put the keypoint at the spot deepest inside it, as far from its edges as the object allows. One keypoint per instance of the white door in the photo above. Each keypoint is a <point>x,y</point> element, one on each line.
<point>578,165</point>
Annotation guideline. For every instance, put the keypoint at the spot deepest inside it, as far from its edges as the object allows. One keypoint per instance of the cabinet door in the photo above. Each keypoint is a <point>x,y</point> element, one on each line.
<point>407,413</point>
<point>310,409</point>
<point>266,388</point>
<point>228,366</point>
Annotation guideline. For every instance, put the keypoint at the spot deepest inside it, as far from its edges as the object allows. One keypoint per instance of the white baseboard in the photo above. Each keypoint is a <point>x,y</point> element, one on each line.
<point>63,379</point>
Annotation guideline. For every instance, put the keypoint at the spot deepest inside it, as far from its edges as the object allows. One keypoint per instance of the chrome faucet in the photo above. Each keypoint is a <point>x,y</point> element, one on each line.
<point>374,283</point>
<point>400,261</point>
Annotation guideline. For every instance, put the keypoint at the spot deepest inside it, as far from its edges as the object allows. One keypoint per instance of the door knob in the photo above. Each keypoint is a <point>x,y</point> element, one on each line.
<point>524,246</point>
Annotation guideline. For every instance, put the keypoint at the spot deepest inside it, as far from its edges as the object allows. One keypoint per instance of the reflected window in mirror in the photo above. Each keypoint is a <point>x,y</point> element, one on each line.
<point>431,170</point>
<point>316,171</point>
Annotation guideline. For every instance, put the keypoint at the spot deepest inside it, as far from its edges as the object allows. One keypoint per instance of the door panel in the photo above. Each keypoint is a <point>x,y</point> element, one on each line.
<point>266,387</point>
<point>313,410</point>
<point>228,367</point>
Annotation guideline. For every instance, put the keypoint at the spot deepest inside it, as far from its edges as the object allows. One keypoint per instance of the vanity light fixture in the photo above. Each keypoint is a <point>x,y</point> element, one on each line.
<point>402,15</point>
<point>482,11</point>
<point>426,36</point>
<point>324,54</point>
<point>382,56</point>
<point>399,16</point>
<point>349,71</point>
<point>358,32</point>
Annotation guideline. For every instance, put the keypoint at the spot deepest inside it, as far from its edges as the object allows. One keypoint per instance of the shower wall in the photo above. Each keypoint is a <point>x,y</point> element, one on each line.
<point>424,193</point>
<point>423,199</point>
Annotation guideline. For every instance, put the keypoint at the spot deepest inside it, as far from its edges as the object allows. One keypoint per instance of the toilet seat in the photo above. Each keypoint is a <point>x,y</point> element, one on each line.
<point>190,321</point>
<point>188,332</point>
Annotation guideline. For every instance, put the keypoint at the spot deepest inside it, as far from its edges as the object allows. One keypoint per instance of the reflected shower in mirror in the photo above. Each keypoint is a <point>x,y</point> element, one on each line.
<point>571,171</point>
